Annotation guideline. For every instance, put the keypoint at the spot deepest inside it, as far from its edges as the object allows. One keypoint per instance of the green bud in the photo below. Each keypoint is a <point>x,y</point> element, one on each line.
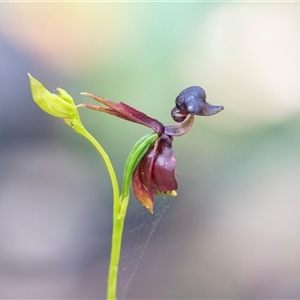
<point>60,106</point>
<point>64,95</point>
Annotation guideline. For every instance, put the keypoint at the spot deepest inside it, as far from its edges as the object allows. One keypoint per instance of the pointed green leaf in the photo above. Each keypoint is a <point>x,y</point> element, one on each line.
<point>135,155</point>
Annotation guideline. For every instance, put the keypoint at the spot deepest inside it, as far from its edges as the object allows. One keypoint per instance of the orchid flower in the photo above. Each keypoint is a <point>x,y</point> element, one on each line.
<point>155,172</point>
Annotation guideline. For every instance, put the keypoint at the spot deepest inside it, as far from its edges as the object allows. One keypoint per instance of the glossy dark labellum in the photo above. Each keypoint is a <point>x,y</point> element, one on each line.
<point>192,100</point>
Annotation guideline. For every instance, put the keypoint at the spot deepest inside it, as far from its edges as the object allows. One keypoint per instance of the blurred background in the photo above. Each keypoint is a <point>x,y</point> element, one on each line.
<point>233,231</point>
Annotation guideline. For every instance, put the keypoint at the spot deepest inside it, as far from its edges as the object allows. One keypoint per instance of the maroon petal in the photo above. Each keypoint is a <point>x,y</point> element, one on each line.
<point>178,115</point>
<point>126,112</point>
<point>141,193</point>
<point>155,173</point>
<point>162,176</point>
<point>139,117</point>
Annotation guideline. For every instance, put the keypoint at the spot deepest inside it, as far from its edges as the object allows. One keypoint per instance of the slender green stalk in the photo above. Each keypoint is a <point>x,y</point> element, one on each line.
<point>118,223</point>
<point>109,166</point>
<point>120,209</point>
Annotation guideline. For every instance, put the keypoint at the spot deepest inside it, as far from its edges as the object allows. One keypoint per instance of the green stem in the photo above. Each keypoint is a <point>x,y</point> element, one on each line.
<point>120,202</point>
<point>109,166</point>
<point>118,221</point>
<point>137,152</point>
<point>118,225</point>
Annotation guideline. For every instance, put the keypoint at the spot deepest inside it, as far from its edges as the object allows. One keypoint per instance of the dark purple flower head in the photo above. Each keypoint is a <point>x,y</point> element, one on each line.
<point>192,100</point>
<point>155,173</point>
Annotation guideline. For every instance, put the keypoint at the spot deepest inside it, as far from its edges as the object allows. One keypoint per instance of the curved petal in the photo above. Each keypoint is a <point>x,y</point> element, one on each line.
<point>178,115</point>
<point>181,128</point>
<point>141,193</point>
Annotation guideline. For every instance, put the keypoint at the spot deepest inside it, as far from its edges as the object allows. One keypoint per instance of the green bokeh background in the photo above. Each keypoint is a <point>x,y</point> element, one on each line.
<point>233,230</point>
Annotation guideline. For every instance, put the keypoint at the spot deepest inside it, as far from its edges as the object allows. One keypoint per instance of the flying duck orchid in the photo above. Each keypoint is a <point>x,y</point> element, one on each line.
<point>155,172</point>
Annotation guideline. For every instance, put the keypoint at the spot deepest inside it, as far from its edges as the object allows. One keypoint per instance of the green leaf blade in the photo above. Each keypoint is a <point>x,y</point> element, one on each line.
<point>134,157</point>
